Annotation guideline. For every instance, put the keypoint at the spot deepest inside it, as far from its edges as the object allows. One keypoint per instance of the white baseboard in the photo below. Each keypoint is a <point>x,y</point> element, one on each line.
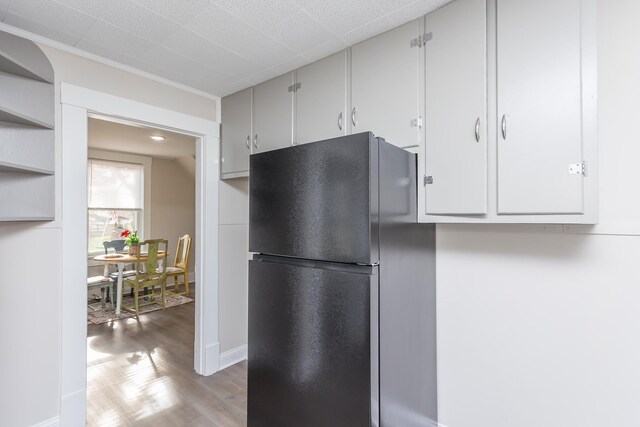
<point>233,356</point>
<point>73,408</point>
<point>51,422</point>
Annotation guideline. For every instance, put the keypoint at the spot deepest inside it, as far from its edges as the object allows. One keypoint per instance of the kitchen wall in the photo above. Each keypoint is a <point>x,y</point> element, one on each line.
<point>30,325</point>
<point>234,247</point>
<point>541,325</point>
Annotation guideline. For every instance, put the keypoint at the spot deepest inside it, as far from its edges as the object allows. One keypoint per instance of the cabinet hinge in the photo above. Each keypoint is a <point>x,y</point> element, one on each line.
<point>416,122</point>
<point>295,87</point>
<point>578,169</point>
<point>421,40</point>
<point>427,180</point>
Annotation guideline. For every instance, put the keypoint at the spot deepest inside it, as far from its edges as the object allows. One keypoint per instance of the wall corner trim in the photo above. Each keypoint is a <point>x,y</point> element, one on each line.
<point>211,360</point>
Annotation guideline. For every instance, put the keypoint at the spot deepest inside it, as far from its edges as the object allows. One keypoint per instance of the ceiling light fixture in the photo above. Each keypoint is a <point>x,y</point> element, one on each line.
<point>157,138</point>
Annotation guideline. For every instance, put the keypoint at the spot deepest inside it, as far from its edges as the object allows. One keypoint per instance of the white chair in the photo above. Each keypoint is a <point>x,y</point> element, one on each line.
<point>102,283</point>
<point>118,247</point>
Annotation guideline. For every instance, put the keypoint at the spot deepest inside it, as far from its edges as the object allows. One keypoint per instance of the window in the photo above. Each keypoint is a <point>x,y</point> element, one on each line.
<point>115,200</point>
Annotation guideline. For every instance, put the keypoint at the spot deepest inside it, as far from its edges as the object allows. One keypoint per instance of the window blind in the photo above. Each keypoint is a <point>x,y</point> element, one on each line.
<point>115,185</point>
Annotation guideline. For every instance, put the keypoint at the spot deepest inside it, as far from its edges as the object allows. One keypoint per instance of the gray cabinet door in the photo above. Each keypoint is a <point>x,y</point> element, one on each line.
<point>455,114</point>
<point>321,99</point>
<point>539,107</point>
<point>236,133</point>
<point>385,77</point>
<point>273,114</point>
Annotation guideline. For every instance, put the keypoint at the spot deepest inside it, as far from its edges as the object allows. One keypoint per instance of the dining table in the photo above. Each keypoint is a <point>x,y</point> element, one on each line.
<point>120,259</point>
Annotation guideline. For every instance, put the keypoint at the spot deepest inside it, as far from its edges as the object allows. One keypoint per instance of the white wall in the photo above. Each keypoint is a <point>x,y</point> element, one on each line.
<point>233,277</point>
<point>537,326</point>
<point>173,206</point>
<point>30,326</point>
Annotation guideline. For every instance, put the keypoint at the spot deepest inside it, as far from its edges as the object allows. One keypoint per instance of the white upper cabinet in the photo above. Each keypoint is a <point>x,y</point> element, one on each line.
<point>321,99</point>
<point>273,114</point>
<point>385,86</point>
<point>539,104</point>
<point>455,112</point>
<point>535,159</point>
<point>497,97</point>
<point>236,134</point>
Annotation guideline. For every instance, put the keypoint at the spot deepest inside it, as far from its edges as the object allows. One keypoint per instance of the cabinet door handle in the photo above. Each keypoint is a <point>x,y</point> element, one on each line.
<point>248,142</point>
<point>504,126</point>
<point>255,141</point>
<point>340,121</point>
<point>478,129</point>
<point>354,119</point>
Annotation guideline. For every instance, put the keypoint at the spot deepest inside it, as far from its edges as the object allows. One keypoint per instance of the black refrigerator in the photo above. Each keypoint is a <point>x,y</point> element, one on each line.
<point>342,311</point>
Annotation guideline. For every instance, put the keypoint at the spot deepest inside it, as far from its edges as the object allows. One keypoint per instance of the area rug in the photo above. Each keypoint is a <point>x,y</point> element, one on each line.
<point>96,314</point>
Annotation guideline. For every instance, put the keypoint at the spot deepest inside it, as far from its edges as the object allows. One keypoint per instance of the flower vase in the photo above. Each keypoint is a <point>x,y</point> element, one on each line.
<point>134,249</point>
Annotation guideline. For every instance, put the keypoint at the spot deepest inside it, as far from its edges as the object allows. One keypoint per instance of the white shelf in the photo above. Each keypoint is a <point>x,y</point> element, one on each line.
<point>21,57</point>
<point>26,101</point>
<point>26,196</point>
<point>27,139</point>
<point>26,148</point>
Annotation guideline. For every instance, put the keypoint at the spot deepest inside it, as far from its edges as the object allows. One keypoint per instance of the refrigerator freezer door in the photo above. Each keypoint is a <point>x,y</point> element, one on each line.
<point>310,345</point>
<point>317,201</point>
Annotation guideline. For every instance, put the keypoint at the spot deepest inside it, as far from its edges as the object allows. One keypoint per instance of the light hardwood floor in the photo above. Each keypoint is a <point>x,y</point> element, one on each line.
<point>141,373</point>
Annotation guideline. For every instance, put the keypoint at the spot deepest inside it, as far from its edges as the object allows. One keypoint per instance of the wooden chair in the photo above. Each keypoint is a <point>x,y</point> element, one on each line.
<point>149,274</point>
<point>181,265</point>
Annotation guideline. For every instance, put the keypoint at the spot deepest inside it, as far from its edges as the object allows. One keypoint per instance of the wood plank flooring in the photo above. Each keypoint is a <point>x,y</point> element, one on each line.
<point>141,373</point>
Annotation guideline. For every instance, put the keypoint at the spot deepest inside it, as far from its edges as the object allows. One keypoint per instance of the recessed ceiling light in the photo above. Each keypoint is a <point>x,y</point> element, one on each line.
<point>157,138</point>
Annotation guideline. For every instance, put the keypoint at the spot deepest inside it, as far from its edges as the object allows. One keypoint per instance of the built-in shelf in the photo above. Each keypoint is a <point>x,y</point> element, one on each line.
<point>21,57</point>
<point>26,147</point>
<point>26,101</point>
<point>15,167</point>
<point>27,139</point>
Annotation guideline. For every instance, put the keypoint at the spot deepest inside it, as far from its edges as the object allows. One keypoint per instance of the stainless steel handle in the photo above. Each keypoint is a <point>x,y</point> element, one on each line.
<point>478,129</point>
<point>504,126</point>
<point>340,121</point>
<point>354,119</point>
<point>255,141</point>
<point>248,142</point>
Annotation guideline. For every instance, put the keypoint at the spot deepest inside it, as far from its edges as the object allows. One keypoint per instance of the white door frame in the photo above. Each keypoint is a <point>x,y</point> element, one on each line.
<point>77,104</point>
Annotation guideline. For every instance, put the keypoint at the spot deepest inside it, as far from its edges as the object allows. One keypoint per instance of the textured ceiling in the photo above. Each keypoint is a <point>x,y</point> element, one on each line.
<point>216,46</point>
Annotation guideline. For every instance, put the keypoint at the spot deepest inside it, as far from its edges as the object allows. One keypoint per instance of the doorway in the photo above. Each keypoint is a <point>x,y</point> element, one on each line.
<point>78,104</point>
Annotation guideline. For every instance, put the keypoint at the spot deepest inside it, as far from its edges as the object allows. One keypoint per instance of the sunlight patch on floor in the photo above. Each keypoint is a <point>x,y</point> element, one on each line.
<point>159,395</point>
